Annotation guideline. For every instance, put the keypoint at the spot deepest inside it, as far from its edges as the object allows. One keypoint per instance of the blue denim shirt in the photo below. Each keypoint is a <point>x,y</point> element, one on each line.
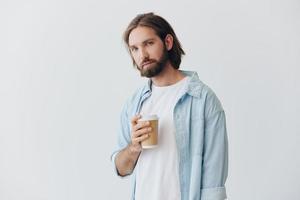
<point>201,139</point>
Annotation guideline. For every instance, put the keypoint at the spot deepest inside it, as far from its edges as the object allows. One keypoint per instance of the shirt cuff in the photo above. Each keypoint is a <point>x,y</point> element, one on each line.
<point>113,159</point>
<point>218,193</point>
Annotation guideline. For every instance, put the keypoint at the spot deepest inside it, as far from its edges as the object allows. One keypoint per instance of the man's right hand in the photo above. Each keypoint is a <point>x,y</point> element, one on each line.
<point>140,132</point>
<point>127,158</point>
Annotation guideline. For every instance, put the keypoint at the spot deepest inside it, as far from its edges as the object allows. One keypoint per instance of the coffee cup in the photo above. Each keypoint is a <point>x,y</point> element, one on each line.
<point>152,140</point>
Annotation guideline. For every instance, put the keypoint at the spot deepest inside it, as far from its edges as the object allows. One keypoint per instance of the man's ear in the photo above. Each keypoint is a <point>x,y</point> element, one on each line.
<point>169,41</point>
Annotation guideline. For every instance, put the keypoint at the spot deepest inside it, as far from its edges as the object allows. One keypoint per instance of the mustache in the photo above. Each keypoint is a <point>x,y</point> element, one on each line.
<point>147,61</point>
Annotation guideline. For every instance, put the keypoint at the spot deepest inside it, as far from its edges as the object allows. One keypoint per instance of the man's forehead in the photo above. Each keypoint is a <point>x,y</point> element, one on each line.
<point>141,34</point>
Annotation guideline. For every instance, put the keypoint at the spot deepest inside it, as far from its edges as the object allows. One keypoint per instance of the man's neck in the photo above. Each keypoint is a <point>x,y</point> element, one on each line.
<point>168,76</point>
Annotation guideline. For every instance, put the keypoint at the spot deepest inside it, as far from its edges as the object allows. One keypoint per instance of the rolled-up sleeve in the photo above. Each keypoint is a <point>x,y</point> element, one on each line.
<point>123,136</point>
<point>215,158</point>
<point>218,193</point>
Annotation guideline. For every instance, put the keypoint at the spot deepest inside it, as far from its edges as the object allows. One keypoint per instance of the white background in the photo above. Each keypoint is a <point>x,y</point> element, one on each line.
<point>65,74</point>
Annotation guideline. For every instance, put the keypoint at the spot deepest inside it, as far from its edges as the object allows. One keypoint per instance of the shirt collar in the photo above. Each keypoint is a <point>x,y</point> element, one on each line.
<point>194,86</point>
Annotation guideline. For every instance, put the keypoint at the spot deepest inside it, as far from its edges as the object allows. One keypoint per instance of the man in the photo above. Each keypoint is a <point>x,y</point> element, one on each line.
<point>190,162</point>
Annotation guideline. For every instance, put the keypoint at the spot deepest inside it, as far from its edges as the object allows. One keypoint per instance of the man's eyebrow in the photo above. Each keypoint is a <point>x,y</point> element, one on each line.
<point>145,41</point>
<point>148,40</point>
<point>131,46</point>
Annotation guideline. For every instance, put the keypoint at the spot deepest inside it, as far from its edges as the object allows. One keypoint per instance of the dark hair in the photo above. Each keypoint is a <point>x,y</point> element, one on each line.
<point>162,29</point>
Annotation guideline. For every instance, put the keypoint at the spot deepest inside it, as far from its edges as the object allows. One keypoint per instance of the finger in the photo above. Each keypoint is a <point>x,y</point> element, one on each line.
<point>141,125</point>
<point>141,132</point>
<point>140,139</point>
<point>135,118</point>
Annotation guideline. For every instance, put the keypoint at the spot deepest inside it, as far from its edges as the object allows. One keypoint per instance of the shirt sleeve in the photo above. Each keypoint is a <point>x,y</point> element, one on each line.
<point>215,158</point>
<point>123,136</point>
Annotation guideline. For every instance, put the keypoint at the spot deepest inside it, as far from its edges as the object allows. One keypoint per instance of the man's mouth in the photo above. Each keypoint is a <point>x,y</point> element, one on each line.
<point>147,63</point>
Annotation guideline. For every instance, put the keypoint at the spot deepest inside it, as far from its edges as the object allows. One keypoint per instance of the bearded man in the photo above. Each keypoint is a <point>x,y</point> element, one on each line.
<point>190,161</point>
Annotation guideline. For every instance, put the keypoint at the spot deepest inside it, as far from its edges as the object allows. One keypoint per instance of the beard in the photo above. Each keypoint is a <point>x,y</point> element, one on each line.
<point>155,67</point>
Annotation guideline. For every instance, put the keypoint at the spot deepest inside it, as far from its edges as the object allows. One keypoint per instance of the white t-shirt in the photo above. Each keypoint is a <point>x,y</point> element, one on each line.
<point>157,176</point>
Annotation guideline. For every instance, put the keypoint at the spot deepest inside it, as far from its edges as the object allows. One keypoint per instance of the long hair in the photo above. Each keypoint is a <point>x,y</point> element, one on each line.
<point>162,29</point>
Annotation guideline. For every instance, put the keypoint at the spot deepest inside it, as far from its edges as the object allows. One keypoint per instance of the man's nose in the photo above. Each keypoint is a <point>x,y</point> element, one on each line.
<point>143,54</point>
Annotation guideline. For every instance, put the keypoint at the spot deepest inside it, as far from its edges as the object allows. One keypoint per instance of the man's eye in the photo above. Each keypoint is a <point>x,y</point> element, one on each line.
<point>150,43</point>
<point>133,49</point>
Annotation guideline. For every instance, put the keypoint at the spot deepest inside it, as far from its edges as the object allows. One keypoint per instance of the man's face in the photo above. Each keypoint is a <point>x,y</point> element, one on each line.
<point>148,51</point>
